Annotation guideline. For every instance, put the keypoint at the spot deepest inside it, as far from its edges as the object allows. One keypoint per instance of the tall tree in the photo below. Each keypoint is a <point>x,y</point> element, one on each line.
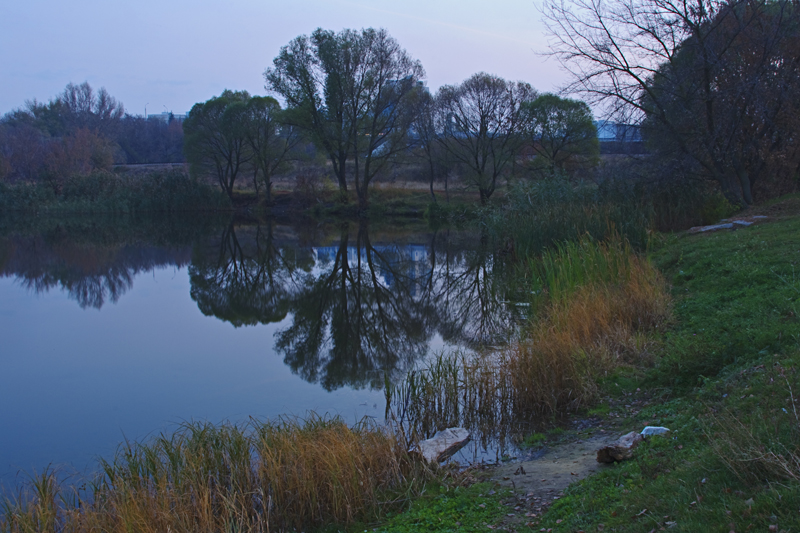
<point>270,140</point>
<point>426,139</point>
<point>349,91</point>
<point>701,71</point>
<point>216,139</point>
<point>562,134</point>
<point>482,126</point>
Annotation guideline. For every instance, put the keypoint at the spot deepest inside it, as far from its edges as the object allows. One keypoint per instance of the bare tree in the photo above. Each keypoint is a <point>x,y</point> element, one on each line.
<point>482,125</point>
<point>694,69</point>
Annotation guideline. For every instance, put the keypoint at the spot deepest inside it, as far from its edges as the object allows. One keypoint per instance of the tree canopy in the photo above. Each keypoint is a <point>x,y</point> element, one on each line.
<point>349,91</point>
<point>562,134</point>
<point>482,123</point>
<point>216,138</point>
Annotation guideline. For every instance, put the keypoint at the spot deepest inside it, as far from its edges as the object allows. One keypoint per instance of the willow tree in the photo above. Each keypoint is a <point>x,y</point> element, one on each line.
<point>216,138</point>
<point>482,123</point>
<point>351,92</point>
<point>271,140</point>
<point>562,134</point>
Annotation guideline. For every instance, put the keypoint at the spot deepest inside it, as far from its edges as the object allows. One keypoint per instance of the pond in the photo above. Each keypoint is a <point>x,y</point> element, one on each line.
<point>115,330</point>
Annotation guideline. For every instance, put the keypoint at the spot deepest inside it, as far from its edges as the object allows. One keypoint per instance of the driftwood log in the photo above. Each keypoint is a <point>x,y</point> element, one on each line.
<point>621,449</point>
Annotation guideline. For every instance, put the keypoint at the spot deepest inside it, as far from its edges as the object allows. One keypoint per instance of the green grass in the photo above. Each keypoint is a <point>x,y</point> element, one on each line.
<point>445,509</point>
<point>724,384</point>
<point>736,298</point>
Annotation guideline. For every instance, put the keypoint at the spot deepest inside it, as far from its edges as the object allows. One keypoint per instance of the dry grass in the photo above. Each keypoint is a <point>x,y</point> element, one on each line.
<point>756,435</point>
<point>602,302</point>
<point>283,476</point>
<point>599,306</point>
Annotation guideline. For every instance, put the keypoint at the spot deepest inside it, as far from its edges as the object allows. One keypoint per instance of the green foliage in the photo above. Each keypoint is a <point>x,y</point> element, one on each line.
<point>562,134</point>
<point>533,440</point>
<point>449,509</point>
<point>105,192</point>
<point>539,214</point>
<point>215,138</point>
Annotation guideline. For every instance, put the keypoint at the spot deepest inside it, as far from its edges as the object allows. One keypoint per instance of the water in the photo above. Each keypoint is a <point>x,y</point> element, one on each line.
<point>114,331</point>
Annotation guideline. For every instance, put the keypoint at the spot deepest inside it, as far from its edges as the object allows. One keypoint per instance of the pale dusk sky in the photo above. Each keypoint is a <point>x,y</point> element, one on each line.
<point>170,54</point>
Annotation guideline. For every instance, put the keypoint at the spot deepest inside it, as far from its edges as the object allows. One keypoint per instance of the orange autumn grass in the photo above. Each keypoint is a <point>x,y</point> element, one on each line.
<point>286,476</point>
<point>599,306</point>
<point>603,305</point>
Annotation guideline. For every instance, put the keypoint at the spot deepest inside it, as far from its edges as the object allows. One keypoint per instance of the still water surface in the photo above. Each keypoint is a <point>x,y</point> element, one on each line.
<point>113,332</point>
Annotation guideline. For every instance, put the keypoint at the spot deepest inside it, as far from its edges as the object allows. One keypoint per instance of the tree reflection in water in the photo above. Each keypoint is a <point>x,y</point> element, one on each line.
<point>359,313</point>
<point>359,319</point>
<point>245,278</point>
<point>91,274</point>
<point>361,310</point>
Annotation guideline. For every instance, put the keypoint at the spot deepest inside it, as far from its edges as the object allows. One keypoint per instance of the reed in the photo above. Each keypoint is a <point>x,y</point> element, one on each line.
<point>597,307</point>
<point>105,192</point>
<point>602,303</point>
<point>288,475</point>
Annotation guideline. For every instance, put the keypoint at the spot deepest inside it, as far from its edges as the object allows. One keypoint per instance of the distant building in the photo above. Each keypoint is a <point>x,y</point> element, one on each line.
<point>608,131</point>
<point>168,117</point>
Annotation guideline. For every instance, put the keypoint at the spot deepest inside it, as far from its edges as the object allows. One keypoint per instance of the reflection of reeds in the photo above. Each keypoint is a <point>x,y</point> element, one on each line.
<point>598,304</point>
<point>456,389</point>
<point>289,475</point>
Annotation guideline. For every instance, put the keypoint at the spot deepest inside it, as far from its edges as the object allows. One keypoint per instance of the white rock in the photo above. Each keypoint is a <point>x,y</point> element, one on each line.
<point>742,222</point>
<point>442,445</point>
<point>702,229</point>
<point>654,430</point>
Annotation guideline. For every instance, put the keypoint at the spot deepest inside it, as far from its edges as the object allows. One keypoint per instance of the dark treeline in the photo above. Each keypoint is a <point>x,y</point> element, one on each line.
<point>94,259</point>
<point>79,131</point>
<point>708,97</point>
<point>715,84</point>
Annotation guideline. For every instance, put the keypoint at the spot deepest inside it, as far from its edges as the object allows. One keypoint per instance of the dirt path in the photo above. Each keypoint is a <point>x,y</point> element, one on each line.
<point>551,470</point>
<point>540,478</point>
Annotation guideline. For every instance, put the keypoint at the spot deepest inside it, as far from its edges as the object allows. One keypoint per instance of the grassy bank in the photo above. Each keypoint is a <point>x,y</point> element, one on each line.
<point>723,376</point>
<point>283,476</point>
<point>726,383</point>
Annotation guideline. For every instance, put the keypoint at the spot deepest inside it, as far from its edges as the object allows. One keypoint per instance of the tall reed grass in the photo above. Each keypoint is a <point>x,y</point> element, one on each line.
<point>539,214</point>
<point>288,475</point>
<point>106,192</point>
<point>597,306</point>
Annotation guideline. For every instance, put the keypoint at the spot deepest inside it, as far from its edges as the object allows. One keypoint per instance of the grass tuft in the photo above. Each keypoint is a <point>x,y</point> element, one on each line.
<point>288,475</point>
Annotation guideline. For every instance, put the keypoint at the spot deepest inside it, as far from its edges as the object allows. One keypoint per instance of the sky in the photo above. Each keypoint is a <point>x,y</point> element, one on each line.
<point>166,55</point>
